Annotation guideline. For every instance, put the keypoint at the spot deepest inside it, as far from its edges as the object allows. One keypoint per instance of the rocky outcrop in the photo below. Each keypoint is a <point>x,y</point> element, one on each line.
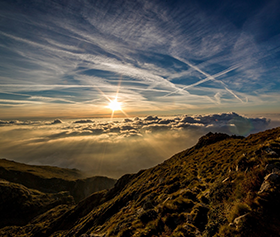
<point>239,221</point>
<point>211,138</point>
<point>270,181</point>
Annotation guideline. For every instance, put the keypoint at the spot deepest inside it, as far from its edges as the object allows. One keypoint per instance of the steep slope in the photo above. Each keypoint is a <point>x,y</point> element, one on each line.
<point>223,186</point>
<point>50,179</point>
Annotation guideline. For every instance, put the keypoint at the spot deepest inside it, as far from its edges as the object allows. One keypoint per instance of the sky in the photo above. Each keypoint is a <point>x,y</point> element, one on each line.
<point>68,59</point>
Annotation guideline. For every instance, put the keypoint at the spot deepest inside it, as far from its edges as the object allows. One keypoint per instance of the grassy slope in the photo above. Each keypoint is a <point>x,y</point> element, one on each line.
<point>198,192</point>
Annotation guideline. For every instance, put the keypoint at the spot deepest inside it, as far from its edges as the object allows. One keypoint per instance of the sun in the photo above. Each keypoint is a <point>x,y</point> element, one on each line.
<point>115,105</point>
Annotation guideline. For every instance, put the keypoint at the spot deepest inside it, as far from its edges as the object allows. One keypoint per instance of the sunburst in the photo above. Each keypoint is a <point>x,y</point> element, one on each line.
<point>115,105</point>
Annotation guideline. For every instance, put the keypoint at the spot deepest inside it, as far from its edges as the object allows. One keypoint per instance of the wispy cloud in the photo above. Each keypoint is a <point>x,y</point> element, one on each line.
<point>167,54</point>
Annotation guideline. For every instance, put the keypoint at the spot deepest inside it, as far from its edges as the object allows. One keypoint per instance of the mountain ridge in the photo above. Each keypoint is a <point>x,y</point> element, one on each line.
<point>50,179</point>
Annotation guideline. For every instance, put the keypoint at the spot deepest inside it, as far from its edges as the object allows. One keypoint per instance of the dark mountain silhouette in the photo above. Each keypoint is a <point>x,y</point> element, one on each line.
<point>53,179</point>
<point>223,186</point>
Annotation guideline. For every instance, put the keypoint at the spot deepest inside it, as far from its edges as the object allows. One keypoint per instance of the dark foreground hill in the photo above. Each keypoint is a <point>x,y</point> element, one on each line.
<point>27,191</point>
<point>223,186</point>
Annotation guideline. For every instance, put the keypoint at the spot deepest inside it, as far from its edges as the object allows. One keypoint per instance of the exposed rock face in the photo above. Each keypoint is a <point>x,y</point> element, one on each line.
<point>239,221</point>
<point>265,187</point>
<point>270,181</point>
<point>273,177</point>
<point>271,152</point>
<point>198,192</point>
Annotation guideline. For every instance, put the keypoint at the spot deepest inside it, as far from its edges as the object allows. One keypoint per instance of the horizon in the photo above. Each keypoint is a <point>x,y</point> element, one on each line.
<point>271,115</point>
<point>114,147</point>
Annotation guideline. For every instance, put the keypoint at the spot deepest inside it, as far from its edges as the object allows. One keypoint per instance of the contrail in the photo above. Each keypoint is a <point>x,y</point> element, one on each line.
<point>226,71</point>
<point>208,78</point>
<point>230,91</point>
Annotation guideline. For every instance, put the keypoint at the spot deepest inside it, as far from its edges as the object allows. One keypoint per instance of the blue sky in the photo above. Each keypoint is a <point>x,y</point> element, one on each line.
<point>66,58</point>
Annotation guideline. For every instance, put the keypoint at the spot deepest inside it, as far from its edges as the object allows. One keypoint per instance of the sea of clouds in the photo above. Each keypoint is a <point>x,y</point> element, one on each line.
<point>113,148</point>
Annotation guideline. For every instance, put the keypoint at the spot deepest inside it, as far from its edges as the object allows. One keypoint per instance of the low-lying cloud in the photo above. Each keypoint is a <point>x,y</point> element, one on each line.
<point>114,148</point>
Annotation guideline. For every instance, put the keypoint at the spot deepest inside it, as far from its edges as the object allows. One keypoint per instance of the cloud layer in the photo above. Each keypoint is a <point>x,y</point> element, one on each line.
<point>113,148</point>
